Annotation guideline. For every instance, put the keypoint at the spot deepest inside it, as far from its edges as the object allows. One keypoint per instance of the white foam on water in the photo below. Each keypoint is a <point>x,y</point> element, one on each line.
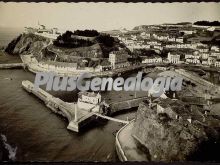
<point>11,151</point>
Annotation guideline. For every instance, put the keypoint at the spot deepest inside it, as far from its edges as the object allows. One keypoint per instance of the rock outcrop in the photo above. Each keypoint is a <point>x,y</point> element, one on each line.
<point>187,135</point>
<point>26,44</point>
<point>44,48</point>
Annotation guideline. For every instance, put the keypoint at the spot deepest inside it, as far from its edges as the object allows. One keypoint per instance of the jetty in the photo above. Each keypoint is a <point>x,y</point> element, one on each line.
<point>77,117</point>
<point>12,66</point>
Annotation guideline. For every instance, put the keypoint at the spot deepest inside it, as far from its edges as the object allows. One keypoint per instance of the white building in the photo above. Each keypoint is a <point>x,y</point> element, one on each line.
<point>89,101</point>
<point>215,54</point>
<point>147,60</point>
<point>179,39</point>
<point>193,60</point>
<point>145,35</point>
<point>215,48</point>
<point>173,58</point>
<point>211,60</point>
<point>205,55</point>
<point>202,49</point>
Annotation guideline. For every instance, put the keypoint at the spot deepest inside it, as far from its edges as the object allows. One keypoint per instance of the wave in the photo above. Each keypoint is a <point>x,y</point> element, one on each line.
<point>11,151</point>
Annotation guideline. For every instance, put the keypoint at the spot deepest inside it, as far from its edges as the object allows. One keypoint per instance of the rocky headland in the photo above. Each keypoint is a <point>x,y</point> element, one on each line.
<point>68,47</point>
<point>170,130</point>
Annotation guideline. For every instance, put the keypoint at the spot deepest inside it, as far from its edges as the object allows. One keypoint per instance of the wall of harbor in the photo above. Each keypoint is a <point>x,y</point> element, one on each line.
<point>12,66</point>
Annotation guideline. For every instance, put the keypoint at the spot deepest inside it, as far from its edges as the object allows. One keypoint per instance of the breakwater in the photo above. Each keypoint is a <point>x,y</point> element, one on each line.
<point>77,117</point>
<point>12,66</point>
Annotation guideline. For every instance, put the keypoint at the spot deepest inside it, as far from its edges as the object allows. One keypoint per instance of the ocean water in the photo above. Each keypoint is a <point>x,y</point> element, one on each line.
<point>40,135</point>
<point>7,34</point>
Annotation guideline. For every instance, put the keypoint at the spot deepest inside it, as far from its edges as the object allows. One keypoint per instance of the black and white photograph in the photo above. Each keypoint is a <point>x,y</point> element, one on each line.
<point>109,82</point>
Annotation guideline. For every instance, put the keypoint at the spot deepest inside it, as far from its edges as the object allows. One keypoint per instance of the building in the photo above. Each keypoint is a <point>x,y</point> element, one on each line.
<point>105,65</point>
<point>187,32</point>
<point>211,60</point>
<point>41,30</point>
<point>147,60</point>
<point>145,35</point>
<point>193,60</point>
<point>173,58</point>
<point>217,63</point>
<point>205,62</point>
<point>205,55</point>
<point>202,49</point>
<point>89,101</point>
<point>215,54</point>
<point>179,39</point>
<point>215,48</point>
<point>118,59</point>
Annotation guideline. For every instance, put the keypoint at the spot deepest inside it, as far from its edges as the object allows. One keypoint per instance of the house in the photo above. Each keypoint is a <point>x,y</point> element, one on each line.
<point>89,101</point>
<point>215,48</point>
<point>158,47</point>
<point>147,60</point>
<point>211,60</point>
<point>171,39</point>
<point>217,63</point>
<point>118,59</point>
<point>153,43</point>
<point>173,58</point>
<point>205,62</point>
<point>202,49</point>
<point>193,60</point>
<point>145,35</point>
<point>215,54</point>
<point>179,39</point>
<point>187,32</point>
<point>161,37</point>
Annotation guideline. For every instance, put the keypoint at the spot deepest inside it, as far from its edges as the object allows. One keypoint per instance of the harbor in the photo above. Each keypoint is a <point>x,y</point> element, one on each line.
<point>77,117</point>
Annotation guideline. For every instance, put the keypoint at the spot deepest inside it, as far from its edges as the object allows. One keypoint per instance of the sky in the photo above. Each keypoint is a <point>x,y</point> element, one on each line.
<point>104,16</point>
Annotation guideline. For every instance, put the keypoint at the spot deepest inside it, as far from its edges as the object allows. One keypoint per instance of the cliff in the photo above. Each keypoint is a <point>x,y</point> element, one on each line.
<point>190,136</point>
<point>26,44</point>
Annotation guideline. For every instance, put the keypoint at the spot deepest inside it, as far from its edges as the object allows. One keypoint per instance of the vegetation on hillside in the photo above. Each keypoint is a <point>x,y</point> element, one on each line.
<point>86,33</point>
<point>207,23</point>
<point>66,40</point>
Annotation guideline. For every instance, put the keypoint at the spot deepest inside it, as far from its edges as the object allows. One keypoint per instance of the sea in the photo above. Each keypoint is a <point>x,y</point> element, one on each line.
<point>31,132</point>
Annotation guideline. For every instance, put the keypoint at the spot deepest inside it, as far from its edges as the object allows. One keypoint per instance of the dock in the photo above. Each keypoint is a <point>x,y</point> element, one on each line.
<point>77,117</point>
<point>12,66</point>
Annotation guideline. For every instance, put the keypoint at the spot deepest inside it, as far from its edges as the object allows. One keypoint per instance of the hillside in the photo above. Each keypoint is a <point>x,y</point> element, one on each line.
<point>69,46</point>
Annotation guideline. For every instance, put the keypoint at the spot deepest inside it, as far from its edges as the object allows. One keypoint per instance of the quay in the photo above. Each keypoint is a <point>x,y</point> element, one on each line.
<point>77,117</point>
<point>12,66</point>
